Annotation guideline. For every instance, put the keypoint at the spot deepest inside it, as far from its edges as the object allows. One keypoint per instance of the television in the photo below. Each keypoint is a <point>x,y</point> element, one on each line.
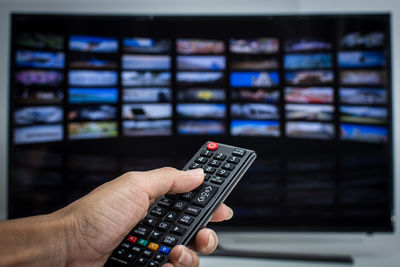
<point>92,97</point>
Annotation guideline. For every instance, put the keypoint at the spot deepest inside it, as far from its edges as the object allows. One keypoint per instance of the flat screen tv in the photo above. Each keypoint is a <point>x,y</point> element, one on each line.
<point>92,97</point>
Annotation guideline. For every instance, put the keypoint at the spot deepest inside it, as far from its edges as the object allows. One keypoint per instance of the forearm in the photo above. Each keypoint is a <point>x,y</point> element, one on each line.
<point>33,241</point>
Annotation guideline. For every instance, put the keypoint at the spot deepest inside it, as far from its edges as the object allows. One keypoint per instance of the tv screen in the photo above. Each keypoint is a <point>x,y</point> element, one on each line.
<point>92,97</point>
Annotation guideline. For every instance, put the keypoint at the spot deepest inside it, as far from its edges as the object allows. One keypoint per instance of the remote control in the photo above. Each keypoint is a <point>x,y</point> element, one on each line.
<point>175,219</point>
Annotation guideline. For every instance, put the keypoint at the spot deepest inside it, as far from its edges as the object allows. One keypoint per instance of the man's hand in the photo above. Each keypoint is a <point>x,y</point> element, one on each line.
<point>95,224</point>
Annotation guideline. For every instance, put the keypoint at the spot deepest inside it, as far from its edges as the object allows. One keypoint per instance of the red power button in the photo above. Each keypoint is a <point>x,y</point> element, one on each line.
<point>212,146</point>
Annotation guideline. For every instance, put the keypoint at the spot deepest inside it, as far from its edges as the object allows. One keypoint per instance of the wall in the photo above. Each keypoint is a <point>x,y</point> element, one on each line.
<point>185,7</point>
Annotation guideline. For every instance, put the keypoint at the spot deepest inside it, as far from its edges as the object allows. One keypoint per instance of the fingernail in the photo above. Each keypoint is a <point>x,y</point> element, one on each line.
<point>230,214</point>
<point>211,243</point>
<point>196,173</point>
<point>185,258</point>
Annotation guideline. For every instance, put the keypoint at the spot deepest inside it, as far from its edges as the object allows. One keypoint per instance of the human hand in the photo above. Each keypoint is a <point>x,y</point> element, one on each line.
<point>96,223</point>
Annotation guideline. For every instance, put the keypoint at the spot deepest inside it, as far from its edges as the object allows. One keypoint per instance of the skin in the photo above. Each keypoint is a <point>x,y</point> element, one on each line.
<point>87,231</point>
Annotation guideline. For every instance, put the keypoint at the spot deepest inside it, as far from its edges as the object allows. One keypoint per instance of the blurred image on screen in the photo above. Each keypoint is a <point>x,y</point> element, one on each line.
<point>146,45</point>
<point>147,95</point>
<point>40,40</point>
<point>361,59</point>
<point>200,78</point>
<point>38,134</point>
<point>92,130</point>
<point>200,127</point>
<point>254,79</point>
<point>255,128</point>
<point>91,61</point>
<point>210,111</point>
<point>367,96</point>
<point>34,115</point>
<point>83,43</point>
<point>254,46</point>
<point>254,64</point>
<point>92,95</point>
<point>255,111</point>
<point>315,130</point>
<point>354,40</point>
<point>92,113</point>
<point>201,94</point>
<point>39,77</point>
<point>362,114</point>
<point>92,78</point>
<point>146,62</point>
<point>147,128</point>
<point>309,112</point>
<point>364,133</point>
<point>311,95</point>
<point>200,62</point>
<point>38,59</point>
<point>147,78</point>
<point>307,61</point>
<point>362,77</point>
<point>256,95</point>
<point>309,77</point>
<point>28,95</point>
<point>307,44</point>
<point>146,111</point>
<point>199,46</point>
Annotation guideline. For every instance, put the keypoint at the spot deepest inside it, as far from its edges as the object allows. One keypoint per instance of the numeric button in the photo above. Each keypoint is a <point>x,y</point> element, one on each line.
<point>228,166</point>
<point>206,153</point>
<point>209,169</point>
<point>223,173</point>
<point>215,163</point>
<point>195,165</point>
<point>233,159</point>
<point>220,156</point>
<point>201,160</point>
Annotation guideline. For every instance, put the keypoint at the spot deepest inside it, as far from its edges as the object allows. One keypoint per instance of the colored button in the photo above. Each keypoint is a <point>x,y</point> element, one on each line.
<point>153,246</point>
<point>212,146</point>
<point>143,242</point>
<point>164,250</point>
<point>131,239</point>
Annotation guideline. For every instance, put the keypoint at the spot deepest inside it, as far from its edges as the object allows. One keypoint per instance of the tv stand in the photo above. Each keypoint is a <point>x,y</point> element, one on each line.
<point>220,251</point>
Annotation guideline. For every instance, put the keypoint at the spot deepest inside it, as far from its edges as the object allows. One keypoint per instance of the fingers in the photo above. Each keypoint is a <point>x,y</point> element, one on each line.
<point>166,180</point>
<point>206,241</point>
<point>222,213</point>
<point>181,256</point>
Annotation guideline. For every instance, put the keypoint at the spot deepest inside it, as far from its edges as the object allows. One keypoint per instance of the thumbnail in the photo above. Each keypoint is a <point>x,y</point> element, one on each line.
<point>307,44</point>
<point>307,61</point>
<point>255,128</point>
<point>38,59</point>
<point>39,77</point>
<point>92,95</point>
<point>147,95</point>
<point>41,41</point>
<point>254,46</point>
<point>256,95</point>
<point>92,78</point>
<point>255,79</point>
<point>39,96</point>
<point>309,112</point>
<point>38,134</point>
<point>33,115</point>
<point>367,96</point>
<point>254,64</point>
<point>255,111</point>
<point>204,111</point>
<point>92,61</point>
<point>355,40</point>
<point>199,46</point>
<point>145,62</point>
<point>201,95</point>
<point>309,77</point>
<point>201,127</point>
<point>200,78</point>
<point>200,62</point>
<point>362,77</point>
<point>314,130</point>
<point>92,113</point>
<point>147,128</point>
<point>146,45</point>
<point>92,130</point>
<point>364,133</point>
<point>310,95</point>
<point>362,114</point>
<point>146,111</point>
<point>148,78</point>
<point>83,43</point>
<point>361,59</point>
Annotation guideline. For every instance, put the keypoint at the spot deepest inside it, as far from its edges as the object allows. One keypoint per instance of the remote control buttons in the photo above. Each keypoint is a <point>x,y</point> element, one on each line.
<point>179,205</point>
<point>204,195</point>
<point>217,180</point>
<point>150,221</point>
<point>220,156</point>
<point>239,152</point>
<point>214,163</point>
<point>186,219</point>
<point>132,239</point>
<point>209,169</point>
<point>170,216</point>
<point>222,173</point>
<point>233,159</point>
<point>206,153</point>
<point>169,240</point>
<point>157,211</point>
<point>143,242</point>
<point>164,250</point>
<point>201,160</point>
<point>192,210</point>
<point>212,146</point>
<point>163,226</point>
<point>195,165</point>
<point>141,231</point>
<point>228,166</point>
<point>155,235</point>
<point>178,230</point>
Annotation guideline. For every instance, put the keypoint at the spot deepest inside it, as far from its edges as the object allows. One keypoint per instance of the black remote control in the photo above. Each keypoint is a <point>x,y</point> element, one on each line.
<point>175,219</point>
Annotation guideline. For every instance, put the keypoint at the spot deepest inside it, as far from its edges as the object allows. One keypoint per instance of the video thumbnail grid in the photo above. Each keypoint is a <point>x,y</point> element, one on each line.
<point>164,87</point>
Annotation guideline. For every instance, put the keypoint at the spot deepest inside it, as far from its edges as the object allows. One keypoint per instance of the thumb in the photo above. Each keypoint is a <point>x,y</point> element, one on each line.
<point>166,180</point>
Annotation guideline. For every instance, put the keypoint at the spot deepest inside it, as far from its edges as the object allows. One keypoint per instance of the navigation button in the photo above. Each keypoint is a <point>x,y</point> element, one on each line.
<point>204,195</point>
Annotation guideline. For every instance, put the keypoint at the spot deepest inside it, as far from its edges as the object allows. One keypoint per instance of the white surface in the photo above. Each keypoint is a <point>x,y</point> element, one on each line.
<point>376,251</point>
